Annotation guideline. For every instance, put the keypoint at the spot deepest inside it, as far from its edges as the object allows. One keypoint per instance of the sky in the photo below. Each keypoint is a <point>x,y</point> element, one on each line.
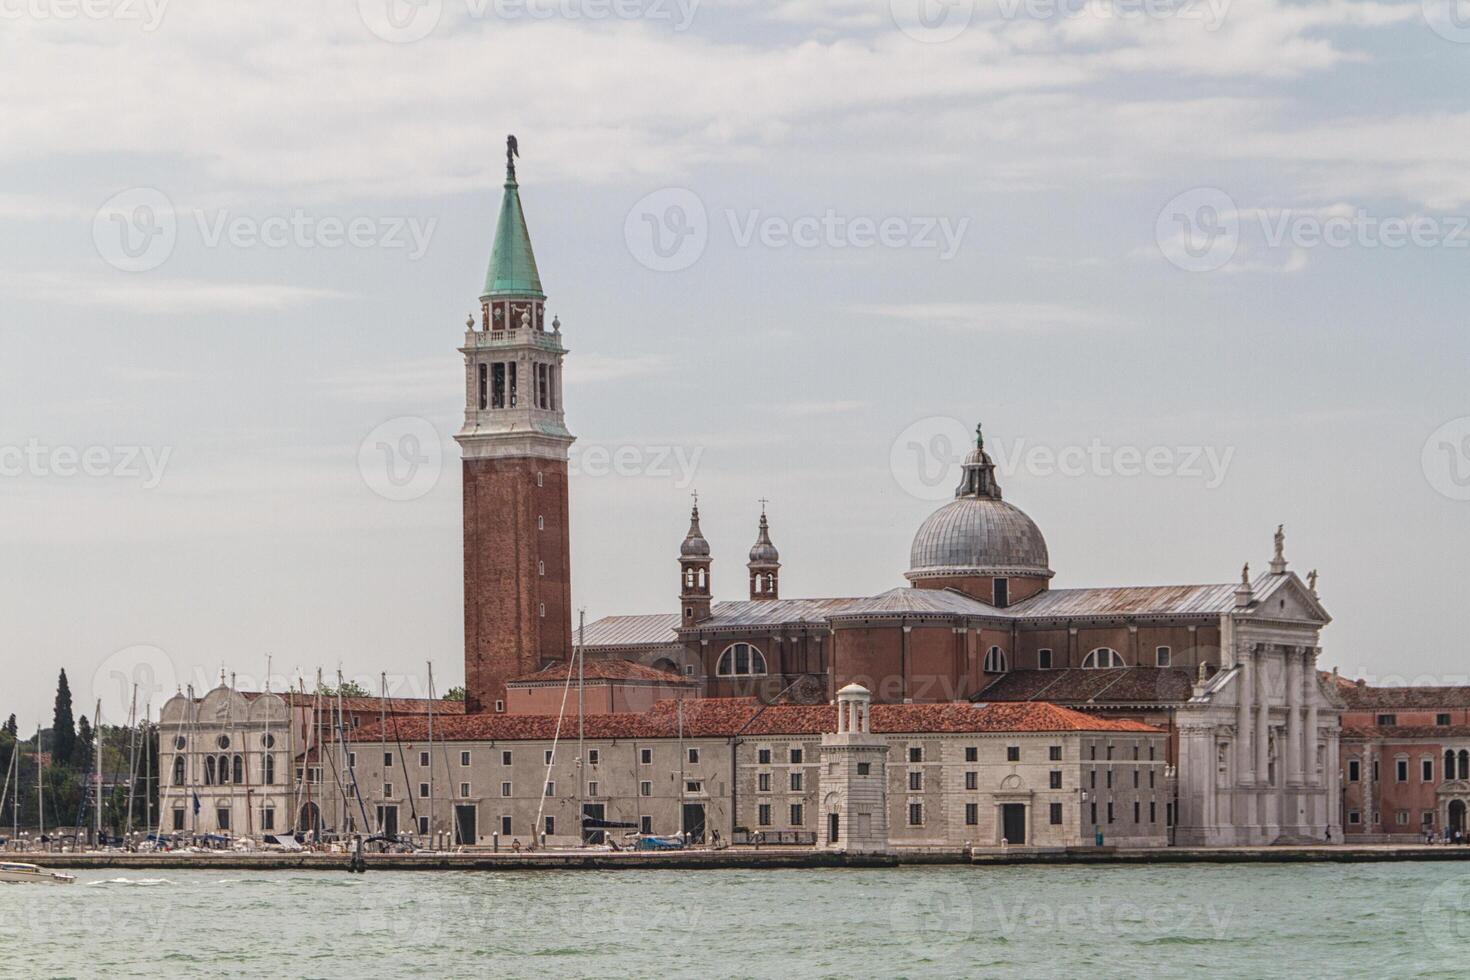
<point>1199,266</point>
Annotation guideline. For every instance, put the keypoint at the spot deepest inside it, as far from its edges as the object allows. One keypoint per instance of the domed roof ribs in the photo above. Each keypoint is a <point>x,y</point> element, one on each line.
<point>979,472</point>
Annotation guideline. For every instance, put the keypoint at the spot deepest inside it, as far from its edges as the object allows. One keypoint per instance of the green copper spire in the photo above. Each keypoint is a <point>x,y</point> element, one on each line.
<point>512,263</point>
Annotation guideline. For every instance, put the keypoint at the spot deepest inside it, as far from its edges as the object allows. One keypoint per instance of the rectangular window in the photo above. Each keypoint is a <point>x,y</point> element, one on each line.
<point>551,788</point>
<point>1427,818</point>
<point>1056,814</point>
<point>1401,818</point>
<point>268,819</point>
<point>484,399</point>
<point>1043,659</point>
<point>1056,779</point>
<point>693,756</point>
<point>352,760</point>
<point>916,753</point>
<point>1135,779</point>
<point>388,759</point>
<point>645,825</point>
<point>972,814</point>
<point>1387,720</point>
<point>916,814</point>
<point>1153,809</point>
<point>796,814</point>
<point>1013,753</point>
<point>864,768</point>
<point>972,780</point>
<point>505,826</point>
<point>1353,817</point>
<point>1054,753</point>
<point>513,388</point>
<point>763,782</point>
<point>1150,779</point>
<point>464,758</point>
<point>1094,814</point>
<point>1355,770</point>
<point>1110,811</point>
<point>1002,592</point>
<point>424,826</point>
<point>424,759</point>
<point>645,757</point>
<point>464,791</point>
<point>1162,656</point>
<point>178,820</point>
<point>796,756</point>
<point>547,758</point>
<point>693,786</point>
<point>387,791</point>
<point>1136,815</point>
<point>916,781</point>
<point>1442,719</point>
<point>796,782</point>
<point>505,758</point>
<point>1092,779</point>
<point>763,756</point>
<point>763,816</point>
<point>505,789</point>
<point>592,788</point>
<point>1110,750</point>
<point>1092,750</point>
<point>645,788</point>
<point>1401,770</point>
<point>1110,779</point>
<point>972,753</point>
<point>594,757</point>
<point>423,791</point>
<point>223,816</point>
<point>1426,770</point>
<point>497,385</point>
<point>550,821</point>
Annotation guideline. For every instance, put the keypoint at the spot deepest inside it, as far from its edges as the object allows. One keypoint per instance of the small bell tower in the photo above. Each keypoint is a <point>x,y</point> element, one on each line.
<point>765,563</point>
<point>694,579</point>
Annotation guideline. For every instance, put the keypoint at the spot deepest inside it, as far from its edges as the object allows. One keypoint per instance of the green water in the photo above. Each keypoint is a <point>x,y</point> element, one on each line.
<point>1175,920</point>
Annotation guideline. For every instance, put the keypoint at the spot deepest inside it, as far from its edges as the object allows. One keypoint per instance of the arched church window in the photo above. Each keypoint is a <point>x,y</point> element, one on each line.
<point>209,770</point>
<point>1102,657</point>
<point>996,661</point>
<point>741,660</point>
<point>178,770</point>
<point>237,770</point>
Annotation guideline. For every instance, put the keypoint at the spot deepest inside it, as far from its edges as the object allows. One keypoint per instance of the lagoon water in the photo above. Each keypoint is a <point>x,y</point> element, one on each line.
<point>1174,920</point>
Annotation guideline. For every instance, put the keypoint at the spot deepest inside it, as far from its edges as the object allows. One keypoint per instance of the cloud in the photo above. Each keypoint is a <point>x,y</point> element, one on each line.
<point>148,294</point>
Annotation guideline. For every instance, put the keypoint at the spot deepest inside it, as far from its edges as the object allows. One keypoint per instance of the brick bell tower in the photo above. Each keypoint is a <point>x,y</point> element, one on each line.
<point>517,554</point>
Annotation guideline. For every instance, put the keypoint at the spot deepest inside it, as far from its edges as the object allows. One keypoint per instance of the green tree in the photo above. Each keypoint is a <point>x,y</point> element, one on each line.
<point>63,726</point>
<point>82,759</point>
<point>352,689</point>
<point>455,694</point>
<point>11,728</point>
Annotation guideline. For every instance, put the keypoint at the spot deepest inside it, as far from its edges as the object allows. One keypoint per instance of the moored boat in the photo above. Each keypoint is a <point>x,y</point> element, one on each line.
<point>13,873</point>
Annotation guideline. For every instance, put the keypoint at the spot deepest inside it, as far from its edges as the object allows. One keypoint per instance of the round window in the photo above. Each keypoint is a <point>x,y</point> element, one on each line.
<point>223,741</point>
<point>180,742</point>
<point>268,740</point>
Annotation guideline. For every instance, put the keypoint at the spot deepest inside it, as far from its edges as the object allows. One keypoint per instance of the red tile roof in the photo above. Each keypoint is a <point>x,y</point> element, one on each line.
<point>1072,685</point>
<point>728,717</point>
<point>1425,698</point>
<point>1405,733</point>
<point>603,670</point>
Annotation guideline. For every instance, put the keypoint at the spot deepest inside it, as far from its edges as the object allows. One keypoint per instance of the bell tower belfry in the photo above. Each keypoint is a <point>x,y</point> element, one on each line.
<point>695,595</point>
<point>514,443</point>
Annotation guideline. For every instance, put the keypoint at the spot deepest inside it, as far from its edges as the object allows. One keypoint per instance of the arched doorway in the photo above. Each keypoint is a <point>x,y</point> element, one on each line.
<point>1457,816</point>
<point>311,819</point>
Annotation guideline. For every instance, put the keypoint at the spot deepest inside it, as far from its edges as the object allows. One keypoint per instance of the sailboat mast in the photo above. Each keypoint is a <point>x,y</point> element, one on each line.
<point>97,767</point>
<point>40,787</point>
<point>581,729</point>
<point>431,749</point>
<point>132,759</point>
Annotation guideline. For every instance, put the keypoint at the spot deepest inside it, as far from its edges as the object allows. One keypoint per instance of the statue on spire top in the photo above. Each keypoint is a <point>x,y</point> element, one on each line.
<point>512,150</point>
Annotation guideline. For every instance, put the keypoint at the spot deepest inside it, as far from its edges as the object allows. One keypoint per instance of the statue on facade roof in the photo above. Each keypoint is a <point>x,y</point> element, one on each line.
<point>1245,574</point>
<point>1312,581</point>
<point>1280,541</point>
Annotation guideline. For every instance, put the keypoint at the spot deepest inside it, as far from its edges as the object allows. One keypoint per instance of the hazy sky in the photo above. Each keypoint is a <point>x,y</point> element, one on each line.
<point>1201,268</point>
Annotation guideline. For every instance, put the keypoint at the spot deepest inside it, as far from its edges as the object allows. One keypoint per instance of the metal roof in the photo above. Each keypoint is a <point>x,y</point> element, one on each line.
<point>917,602</point>
<point>976,535</point>
<point>632,631</point>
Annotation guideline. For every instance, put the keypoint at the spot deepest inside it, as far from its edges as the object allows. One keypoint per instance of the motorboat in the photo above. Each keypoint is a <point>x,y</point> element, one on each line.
<point>13,873</point>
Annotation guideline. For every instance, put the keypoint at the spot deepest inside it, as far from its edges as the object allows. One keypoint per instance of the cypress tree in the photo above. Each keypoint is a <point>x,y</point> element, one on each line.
<point>63,725</point>
<point>11,727</point>
<point>85,735</point>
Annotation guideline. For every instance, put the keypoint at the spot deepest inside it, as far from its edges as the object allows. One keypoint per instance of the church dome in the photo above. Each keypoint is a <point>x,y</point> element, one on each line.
<point>694,546</point>
<point>764,552</point>
<point>978,533</point>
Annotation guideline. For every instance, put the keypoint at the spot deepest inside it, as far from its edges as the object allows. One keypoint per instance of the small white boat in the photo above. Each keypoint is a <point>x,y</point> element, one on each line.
<point>12,873</point>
